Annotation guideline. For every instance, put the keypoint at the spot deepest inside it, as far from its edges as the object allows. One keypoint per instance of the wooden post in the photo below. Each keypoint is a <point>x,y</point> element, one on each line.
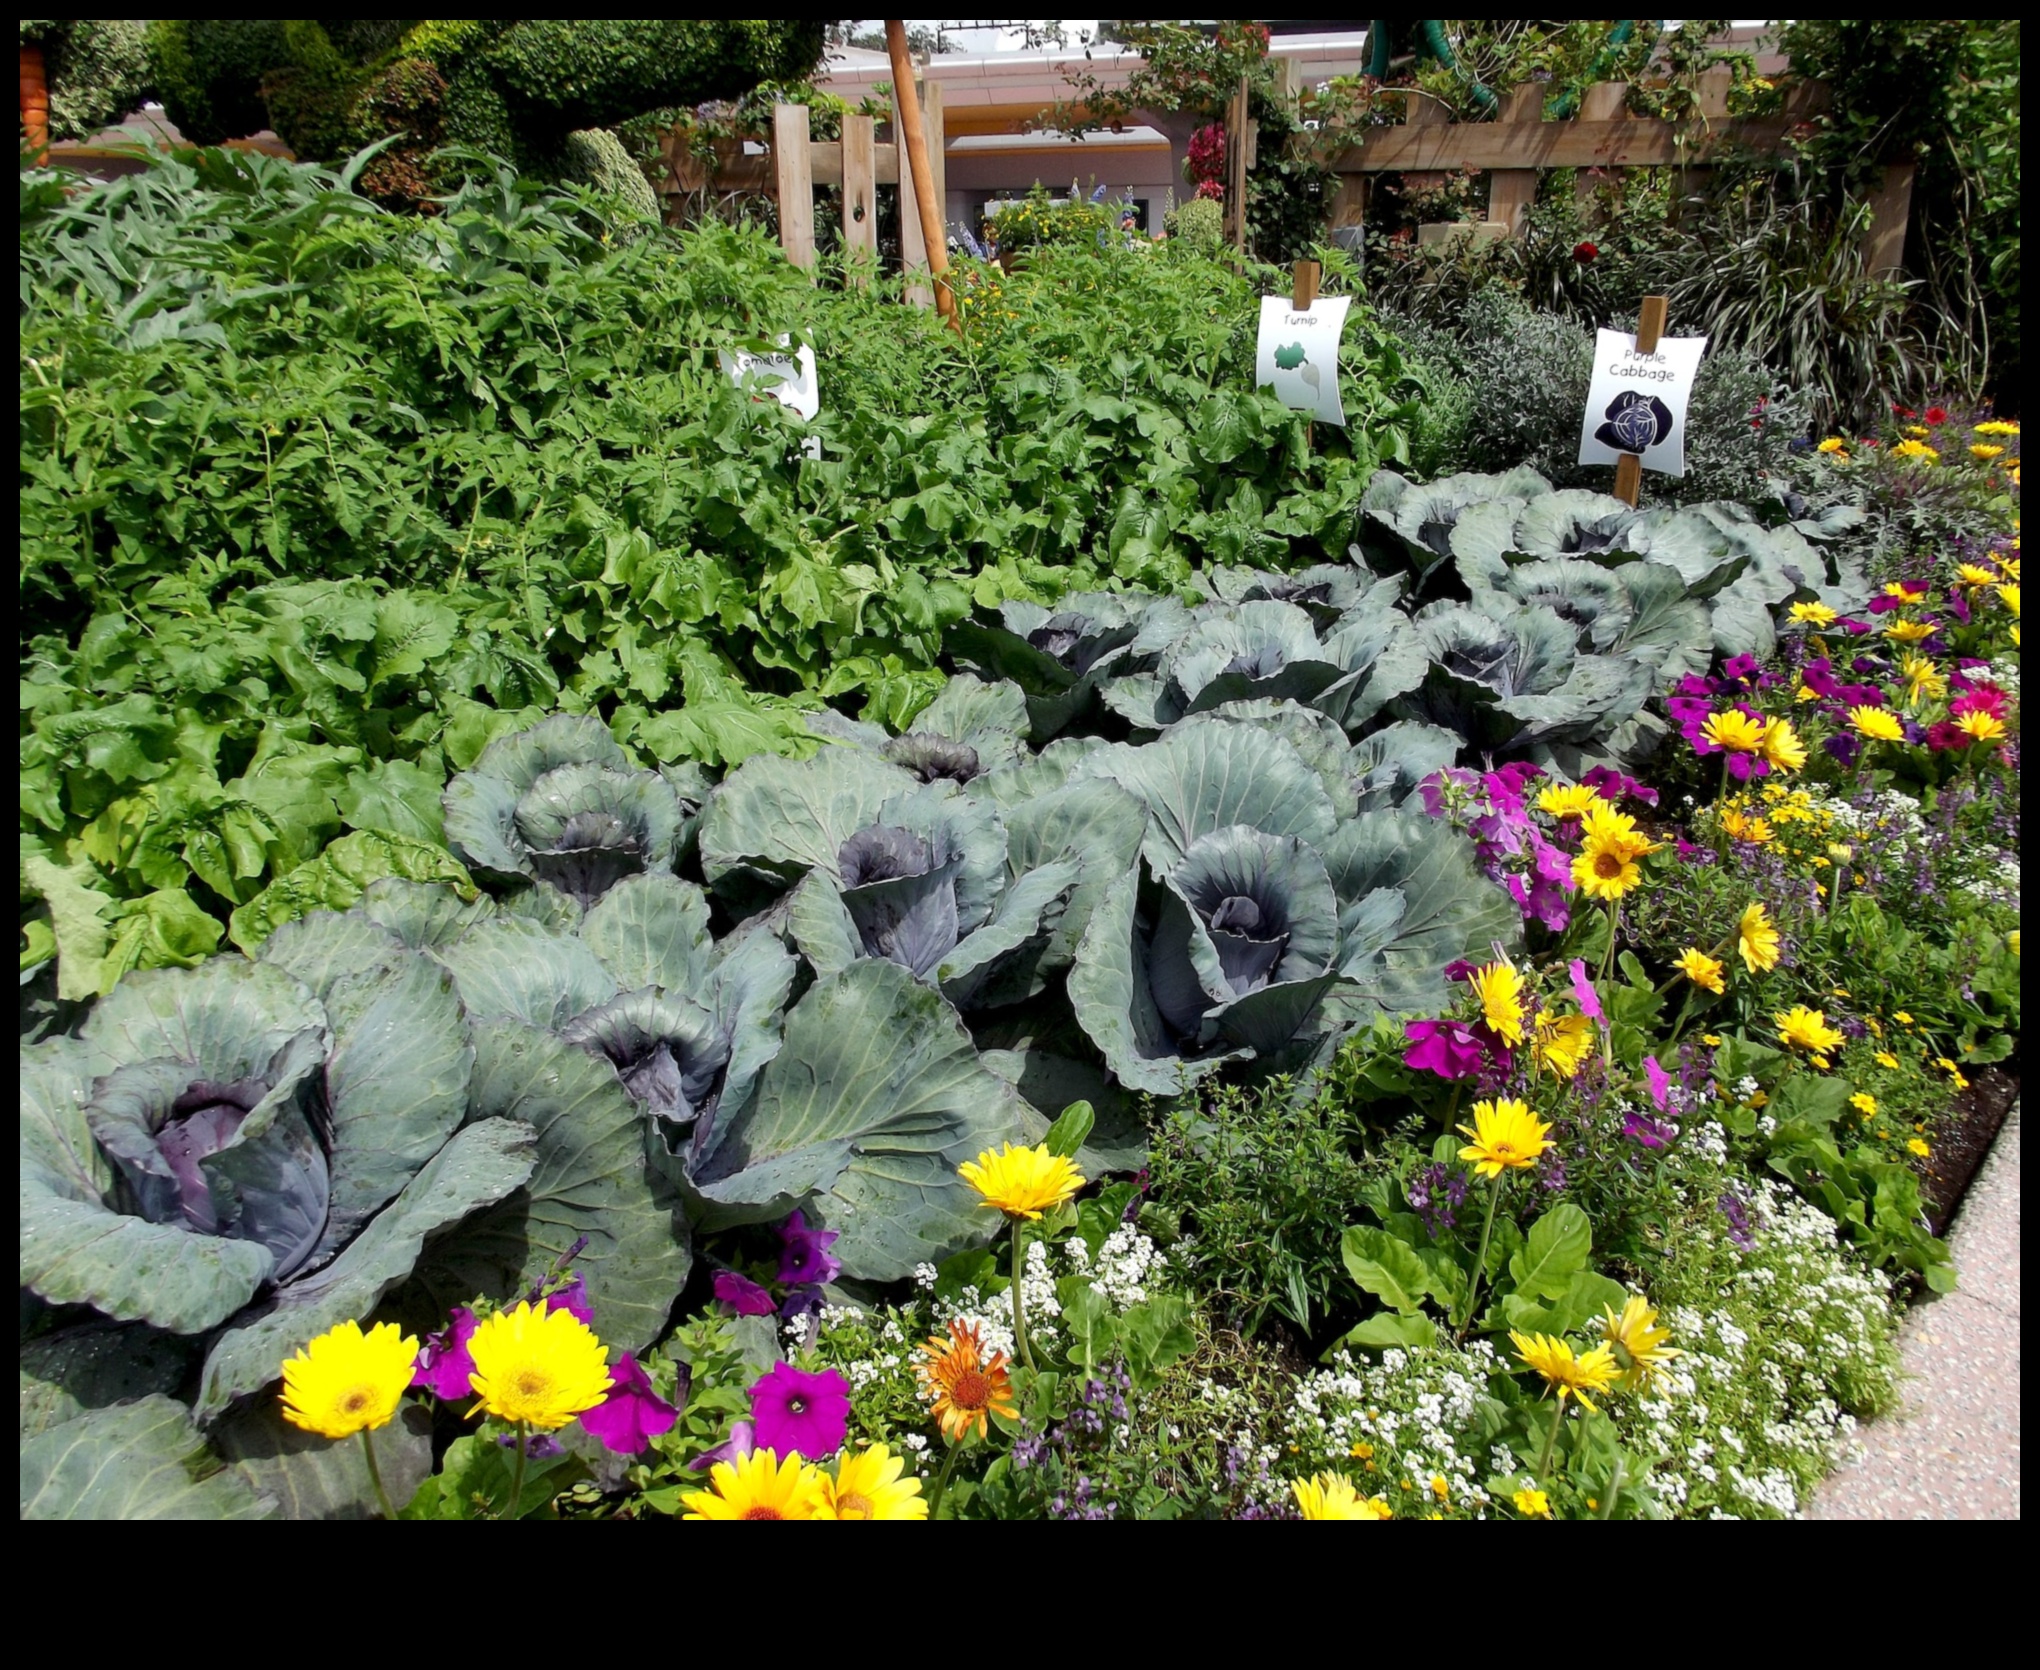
<point>1511,191</point>
<point>860,197</point>
<point>35,102</point>
<point>908,100</point>
<point>1605,101</point>
<point>1890,215</point>
<point>1303,283</point>
<point>796,183</point>
<point>1650,325</point>
<point>1236,166</point>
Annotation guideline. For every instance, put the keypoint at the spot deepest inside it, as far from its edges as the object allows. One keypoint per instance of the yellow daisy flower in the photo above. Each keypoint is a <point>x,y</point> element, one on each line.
<point>1807,1029</point>
<point>1758,940</point>
<point>1591,1371</point>
<point>1814,614</point>
<point>868,1486</point>
<point>345,1381</point>
<point>1980,727</point>
<point>1835,444</point>
<point>1734,731</point>
<point>538,1366</point>
<point>1901,1017</point>
<point>1984,453</point>
<point>1997,426</point>
<point>2008,595</point>
<point>1916,449</point>
<point>1781,746</point>
<point>1909,631</point>
<point>1532,1504</point>
<point>1915,1146</point>
<point>1563,1042</point>
<point>1739,827</point>
<point>1022,1182</point>
<point>1970,574</point>
<point>1637,1341</point>
<point>1923,680</point>
<point>1703,970</point>
<point>1568,800</point>
<point>1500,990</point>
<point>1864,1104</point>
<point>1506,1135</point>
<point>1884,1058</point>
<point>1333,1496</point>
<point>1606,871</point>
<point>1876,723</point>
<point>964,1388</point>
<point>760,1486</point>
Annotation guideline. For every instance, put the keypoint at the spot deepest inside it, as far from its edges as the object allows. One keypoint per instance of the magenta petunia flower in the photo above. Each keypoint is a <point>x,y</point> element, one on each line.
<point>744,1296</point>
<point>1449,1048</point>
<point>444,1365</point>
<point>633,1414</point>
<point>1660,1081</point>
<point>804,1255</point>
<point>1611,784</point>
<point>791,1410</point>
<point>1583,989</point>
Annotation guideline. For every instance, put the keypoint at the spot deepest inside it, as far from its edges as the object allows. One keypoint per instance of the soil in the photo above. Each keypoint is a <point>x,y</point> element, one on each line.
<point>1963,1139</point>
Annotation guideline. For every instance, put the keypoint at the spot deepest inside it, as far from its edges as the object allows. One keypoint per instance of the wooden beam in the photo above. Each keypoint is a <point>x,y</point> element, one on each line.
<point>1449,147</point>
<point>792,166</point>
<point>1890,216</point>
<point>860,198</point>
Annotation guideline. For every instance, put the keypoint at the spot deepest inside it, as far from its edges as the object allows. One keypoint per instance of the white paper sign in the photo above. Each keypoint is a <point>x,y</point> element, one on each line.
<point>1297,354</point>
<point>789,379</point>
<point>1637,402</point>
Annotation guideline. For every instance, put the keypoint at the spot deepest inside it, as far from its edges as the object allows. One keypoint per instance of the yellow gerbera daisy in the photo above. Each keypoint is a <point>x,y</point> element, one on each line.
<point>1638,1342</point>
<point>1739,827</point>
<point>1506,1135</point>
<point>1500,990</point>
<point>2009,597</point>
<point>1734,731</point>
<point>1915,1146</point>
<point>1563,1042</point>
<point>1814,614</point>
<point>1997,426</point>
<point>1876,723</point>
<point>1884,1058</point>
<point>1568,800</point>
<point>1781,746</point>
<point>1835,444</point>
<point>1606,871</point>
<point>1703,970</point>
<point>1605,823</point>
<point>1981,727</point>
<point>1864,1104</point>
<point>1983,453</point>
<point>964,1388</point>
<point>868,1486</point>
<point>1532,1504</point>
<point>345,1381</point>
<point>1757,939</point>
<point>1807,1029</point>
<point>1973,574</point>
<point>1916,449</point>
<point>1333,1496</point>
<point>1910,631</point>
<point>1923,680</point>
<point>759,1486</point>
<point>1022,1182</point>
<point>538,1366</point>
<point>1591,1371</point>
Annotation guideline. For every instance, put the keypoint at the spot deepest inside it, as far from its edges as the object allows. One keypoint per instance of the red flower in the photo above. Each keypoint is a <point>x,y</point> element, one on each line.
<point>1584,252</point>
<point>1902,411</point>
<point>1936,416</point>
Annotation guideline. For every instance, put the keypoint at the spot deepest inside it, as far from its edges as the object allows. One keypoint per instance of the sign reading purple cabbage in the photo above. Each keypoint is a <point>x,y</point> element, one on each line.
<point>1636,403</point>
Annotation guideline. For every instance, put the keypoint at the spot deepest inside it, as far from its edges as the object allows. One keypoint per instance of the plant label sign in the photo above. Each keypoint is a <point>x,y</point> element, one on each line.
<point>1297,354</point>
<point>1636,402</point>
<point>790,379</point>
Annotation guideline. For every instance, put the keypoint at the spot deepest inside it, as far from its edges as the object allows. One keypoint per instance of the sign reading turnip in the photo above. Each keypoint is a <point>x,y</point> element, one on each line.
<point>1636,403</point>
<point>1298,354</point>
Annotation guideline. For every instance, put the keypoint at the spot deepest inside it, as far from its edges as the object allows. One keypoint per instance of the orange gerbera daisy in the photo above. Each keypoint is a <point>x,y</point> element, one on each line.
<point>967,1390</point>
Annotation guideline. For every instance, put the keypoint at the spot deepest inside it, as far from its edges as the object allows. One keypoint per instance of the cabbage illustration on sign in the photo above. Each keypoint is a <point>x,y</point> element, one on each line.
<point>1636,402</point>
<point>1298,355</point>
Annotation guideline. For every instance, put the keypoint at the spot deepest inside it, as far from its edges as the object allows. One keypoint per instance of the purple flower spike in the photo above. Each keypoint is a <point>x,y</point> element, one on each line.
<point>1660,1081</point>
<point>744,1296</point>
<point>573,1299</point>
<point>810,1413</point>
<point>804,1257</point>
<point>1448,1048</point>
<point>1583,989</point>
<point>444,1366</point>
<point>632,1415</point>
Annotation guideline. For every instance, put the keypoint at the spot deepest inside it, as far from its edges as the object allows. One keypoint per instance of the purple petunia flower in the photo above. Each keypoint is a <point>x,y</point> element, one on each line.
<point>804,1253</point>
<point>744,1296</point>
<point>1647,1132</point>
<point>792,1410</point>
<point>444,1366</point>
<point>1449,1048</point>
<point>573,1299</point>
<point>1583,989</point>
<point>633,1414</point>
<point>538,1446</point>
<point>1660,1081</point>
<point>743,1439</point>
<point>1611,784</point>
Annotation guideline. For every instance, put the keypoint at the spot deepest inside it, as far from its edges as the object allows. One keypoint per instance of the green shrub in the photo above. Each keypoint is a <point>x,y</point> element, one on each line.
<point>596,158</point>
<point>97,69</point>
<point>1200,223</point>
<point>208,73</point>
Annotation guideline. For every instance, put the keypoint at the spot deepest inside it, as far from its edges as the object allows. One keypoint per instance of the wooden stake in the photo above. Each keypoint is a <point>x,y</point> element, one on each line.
<point>1650,325</point>
<point>909,99</point>
<point>860,197</point>
<point>1303,283</point>
<point>796,183</point>
<point>1236,165</point>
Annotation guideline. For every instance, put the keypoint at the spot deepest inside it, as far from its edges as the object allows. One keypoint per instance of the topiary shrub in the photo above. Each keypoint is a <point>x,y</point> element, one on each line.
<point>97,71</point>
<point>596,158</point>
<point>208,72</point>
<point>1200,223</point>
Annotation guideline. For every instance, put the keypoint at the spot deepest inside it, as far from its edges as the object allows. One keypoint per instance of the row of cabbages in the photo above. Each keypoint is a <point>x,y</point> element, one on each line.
<point>928,942</point>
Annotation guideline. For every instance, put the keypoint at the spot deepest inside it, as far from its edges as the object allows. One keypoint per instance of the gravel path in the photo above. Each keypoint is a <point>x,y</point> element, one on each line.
<point>1954,1452</point>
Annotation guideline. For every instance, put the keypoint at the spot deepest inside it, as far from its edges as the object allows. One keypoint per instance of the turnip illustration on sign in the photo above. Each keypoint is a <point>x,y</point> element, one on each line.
<point>1636,403</point>
<point>1298,354</point>
<point>790,379</point>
